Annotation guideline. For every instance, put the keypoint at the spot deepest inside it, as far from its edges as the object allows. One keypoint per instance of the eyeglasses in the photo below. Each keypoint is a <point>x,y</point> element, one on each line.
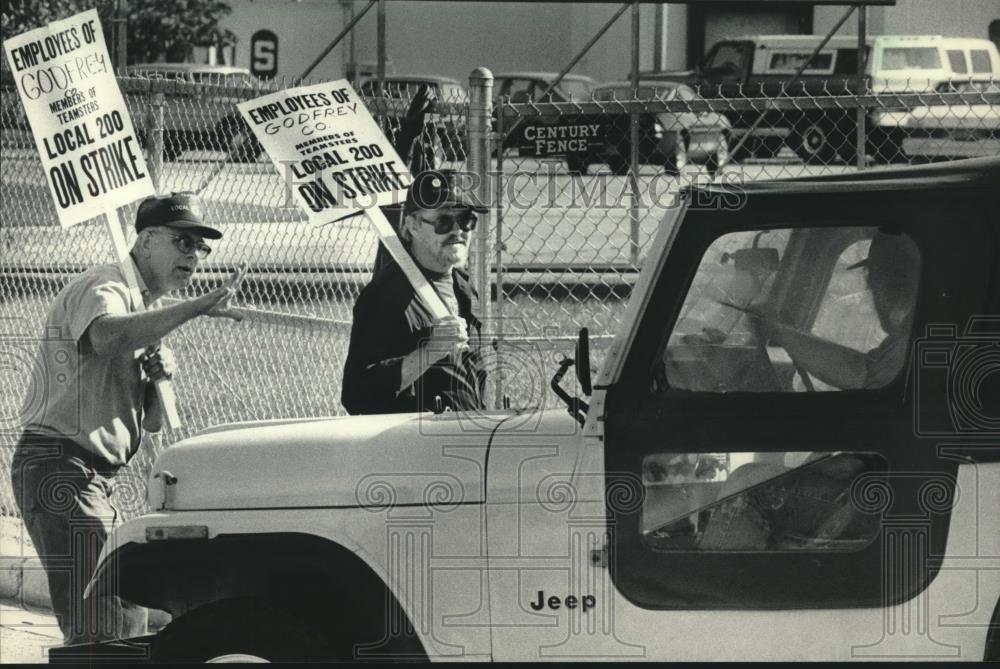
<point>187,244</point>
<point>444,224</point>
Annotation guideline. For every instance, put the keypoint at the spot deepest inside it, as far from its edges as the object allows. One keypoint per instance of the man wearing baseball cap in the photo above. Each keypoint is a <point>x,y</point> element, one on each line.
<point>893,271</point>
<point>90,397</point>
<point>400,358</point>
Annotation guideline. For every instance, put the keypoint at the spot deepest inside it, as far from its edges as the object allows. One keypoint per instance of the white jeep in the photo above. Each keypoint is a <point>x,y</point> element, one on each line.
<point>714,498</point>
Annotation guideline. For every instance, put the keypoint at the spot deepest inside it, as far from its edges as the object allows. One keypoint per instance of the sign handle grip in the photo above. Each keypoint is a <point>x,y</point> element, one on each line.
<point>164,388</point>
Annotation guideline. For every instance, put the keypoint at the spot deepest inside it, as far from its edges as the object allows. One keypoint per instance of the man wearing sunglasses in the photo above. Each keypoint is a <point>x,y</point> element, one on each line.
<point>400,358</point>
<point>90,397</point>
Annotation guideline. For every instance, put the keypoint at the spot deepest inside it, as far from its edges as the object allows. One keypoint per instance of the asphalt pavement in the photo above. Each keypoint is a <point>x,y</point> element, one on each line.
<point>25,636</point>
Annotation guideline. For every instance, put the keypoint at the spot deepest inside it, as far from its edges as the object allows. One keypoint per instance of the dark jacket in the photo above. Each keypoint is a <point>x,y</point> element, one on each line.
<point>389,323</point>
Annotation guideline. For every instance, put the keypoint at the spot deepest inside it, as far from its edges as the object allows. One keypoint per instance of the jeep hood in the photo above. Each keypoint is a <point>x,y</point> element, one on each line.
<point>351,461</point>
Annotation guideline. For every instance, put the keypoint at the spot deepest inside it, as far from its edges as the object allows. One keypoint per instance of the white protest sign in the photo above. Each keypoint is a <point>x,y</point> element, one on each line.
<point>82,128</point>
<point>83,132</point>
<point>337,161</point>
<point>324,139</point>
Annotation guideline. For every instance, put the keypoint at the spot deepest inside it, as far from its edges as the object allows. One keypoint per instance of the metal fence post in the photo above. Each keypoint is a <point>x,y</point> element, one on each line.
<point>380,35</point>
<point>120,26</point>
<point>478,164</point>
<point>633,140</point>
<point>498,306</point>
<point>478,124</point>
<point>862,112</point>
<point>155,123</point>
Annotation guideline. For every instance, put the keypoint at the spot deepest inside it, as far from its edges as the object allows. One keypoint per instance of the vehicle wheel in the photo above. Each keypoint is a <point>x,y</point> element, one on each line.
<point>577,165</point>
<point>814,142</point>
<point>721,155</point>
<point>680,159</point>
<point>241,630</point>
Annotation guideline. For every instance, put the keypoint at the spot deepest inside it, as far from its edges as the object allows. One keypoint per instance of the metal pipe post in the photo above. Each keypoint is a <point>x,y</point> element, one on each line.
<point>498,249</point>
<point>121,26</point>
<point>480,115</point>
<point>381,48</point>
<point>862,113</point>
<point>633,140</point>
<point>155,123</point>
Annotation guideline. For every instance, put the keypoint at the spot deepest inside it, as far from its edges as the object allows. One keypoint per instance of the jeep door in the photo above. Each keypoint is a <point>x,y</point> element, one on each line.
<point>756,509</point>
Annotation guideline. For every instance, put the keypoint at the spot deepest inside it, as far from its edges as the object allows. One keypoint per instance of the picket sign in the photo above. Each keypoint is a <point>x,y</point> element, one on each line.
<point>164,387</point>
<point>88,147</point>
<point>337,162</point>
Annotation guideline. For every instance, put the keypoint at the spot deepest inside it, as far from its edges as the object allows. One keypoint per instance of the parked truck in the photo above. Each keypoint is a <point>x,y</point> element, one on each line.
<point>710,496</point>
<point>760,66</point>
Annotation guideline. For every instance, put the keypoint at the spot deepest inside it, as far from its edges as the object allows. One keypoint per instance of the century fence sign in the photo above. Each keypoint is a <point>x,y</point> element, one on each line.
<point>563,138</point>
<point>337,157</point>
<point>82,129</point>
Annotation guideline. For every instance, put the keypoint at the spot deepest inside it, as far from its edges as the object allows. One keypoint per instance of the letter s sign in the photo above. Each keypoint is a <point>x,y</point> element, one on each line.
<point>264,54</point>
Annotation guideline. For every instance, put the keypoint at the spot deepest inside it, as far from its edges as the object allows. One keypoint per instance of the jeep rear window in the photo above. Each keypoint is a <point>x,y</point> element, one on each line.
<point>911,58</point>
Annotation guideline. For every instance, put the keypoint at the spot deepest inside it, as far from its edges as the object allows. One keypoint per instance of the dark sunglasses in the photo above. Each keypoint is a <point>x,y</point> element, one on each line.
<point>465,221</point>
<point>187,244</point>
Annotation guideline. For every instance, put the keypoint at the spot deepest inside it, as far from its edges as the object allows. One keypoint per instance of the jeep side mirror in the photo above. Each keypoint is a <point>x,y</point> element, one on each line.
<point>583,361</point>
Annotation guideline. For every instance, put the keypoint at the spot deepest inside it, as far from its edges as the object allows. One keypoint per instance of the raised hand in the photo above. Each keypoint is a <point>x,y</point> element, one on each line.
<point>218,303</point>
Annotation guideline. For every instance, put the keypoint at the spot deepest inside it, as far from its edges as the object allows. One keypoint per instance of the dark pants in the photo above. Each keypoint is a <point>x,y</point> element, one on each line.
<point>64,497</point>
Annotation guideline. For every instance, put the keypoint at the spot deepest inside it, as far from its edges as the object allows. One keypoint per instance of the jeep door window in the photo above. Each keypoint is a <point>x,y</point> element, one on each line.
<point>797,310</point>
<point>781,501</point>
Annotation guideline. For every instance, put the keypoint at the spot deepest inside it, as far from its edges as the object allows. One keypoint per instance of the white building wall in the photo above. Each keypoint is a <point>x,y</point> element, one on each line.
<point>453,38</point>
<point>953,18</point>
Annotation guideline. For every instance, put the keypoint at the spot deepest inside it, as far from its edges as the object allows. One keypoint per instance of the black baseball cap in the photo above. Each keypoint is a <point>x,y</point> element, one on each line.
<point>180,211</point>
<point>438,189</point>
<point>891,252</point>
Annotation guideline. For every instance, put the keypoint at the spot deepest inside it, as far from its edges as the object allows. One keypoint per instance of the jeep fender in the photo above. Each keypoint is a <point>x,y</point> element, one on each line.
<point>327,581</point>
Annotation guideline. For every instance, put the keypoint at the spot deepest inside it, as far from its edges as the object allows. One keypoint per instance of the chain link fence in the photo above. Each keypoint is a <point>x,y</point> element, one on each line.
<point>578,189</point>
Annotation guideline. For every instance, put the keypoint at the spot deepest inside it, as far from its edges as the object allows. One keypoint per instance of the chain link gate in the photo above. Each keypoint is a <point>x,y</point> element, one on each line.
<point>573,211</point>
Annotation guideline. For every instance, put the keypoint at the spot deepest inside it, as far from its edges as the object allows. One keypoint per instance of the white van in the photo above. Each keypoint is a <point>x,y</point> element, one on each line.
<point>921,63</point>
